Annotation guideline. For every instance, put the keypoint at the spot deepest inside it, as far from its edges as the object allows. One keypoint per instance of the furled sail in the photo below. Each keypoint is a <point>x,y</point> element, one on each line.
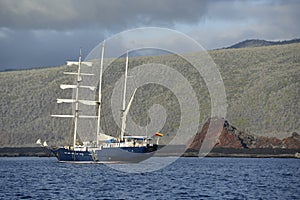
<point>81,74</point>
<point>85,102</point>
<point>65,100</point>
<point>70,63</point>
<point>72,116</point>
<point>64,86</point>
<point>88,102</point>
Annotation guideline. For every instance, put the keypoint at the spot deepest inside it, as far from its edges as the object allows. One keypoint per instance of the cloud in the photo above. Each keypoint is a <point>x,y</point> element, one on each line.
<point>77,14</point>
<point>230,23</point>
<point>31,30</point>
<point>27,49</point>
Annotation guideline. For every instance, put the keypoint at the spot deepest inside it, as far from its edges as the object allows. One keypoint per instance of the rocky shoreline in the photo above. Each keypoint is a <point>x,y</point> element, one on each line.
<point>25,151</point>
<point>248,153</point>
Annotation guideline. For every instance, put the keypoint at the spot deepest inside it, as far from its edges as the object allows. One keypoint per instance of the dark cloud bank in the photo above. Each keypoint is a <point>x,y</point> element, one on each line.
<point>45,33</point>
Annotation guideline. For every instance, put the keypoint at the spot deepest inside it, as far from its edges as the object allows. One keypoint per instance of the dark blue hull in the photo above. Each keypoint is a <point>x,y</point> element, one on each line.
<point>63,154</point>
<point>125,154</point>
<point>111,154</point>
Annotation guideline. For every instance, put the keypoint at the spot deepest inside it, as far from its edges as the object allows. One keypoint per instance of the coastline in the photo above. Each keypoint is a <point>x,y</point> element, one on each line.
<point>174,151</point>
<point>247,153</point>
<point>25,151</point>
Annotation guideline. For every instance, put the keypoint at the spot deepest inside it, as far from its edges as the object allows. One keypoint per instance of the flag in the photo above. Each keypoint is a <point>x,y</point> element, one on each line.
<point>159,134</point>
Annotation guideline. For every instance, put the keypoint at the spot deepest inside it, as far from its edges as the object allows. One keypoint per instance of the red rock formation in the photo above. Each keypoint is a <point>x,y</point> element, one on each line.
<point>228,140</point>
<point>214,133</point>
<point>292,142</point>
<point>267,142</point>
<point>219,133</point>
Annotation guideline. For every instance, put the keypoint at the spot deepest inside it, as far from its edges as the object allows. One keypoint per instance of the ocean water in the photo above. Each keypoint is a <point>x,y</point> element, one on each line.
<point>186,178</point>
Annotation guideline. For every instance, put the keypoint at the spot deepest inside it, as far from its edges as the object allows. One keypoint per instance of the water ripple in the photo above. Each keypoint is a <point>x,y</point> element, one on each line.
<point>187,178</point>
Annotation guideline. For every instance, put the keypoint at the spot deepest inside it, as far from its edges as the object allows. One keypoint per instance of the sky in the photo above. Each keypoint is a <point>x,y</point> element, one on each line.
<point>42,33</point>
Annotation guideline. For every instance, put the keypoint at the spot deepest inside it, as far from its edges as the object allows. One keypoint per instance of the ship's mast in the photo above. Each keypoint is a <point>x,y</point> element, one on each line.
<point>100,94</point>
<point>76,86</point>
<point>76,114</point>
<point>124,101</point>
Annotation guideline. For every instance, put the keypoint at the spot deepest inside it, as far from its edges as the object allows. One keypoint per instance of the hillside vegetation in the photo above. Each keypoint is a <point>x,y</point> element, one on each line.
<point>260,43</point>
<point>262,87</point>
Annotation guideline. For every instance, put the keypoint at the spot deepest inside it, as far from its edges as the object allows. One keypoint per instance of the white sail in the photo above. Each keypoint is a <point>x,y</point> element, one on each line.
<point>39,141</point>
<point>104,137</point>
<point>130,102</point>
<point>64,86</point>
<point>70,63</point>
<point>45,144</point>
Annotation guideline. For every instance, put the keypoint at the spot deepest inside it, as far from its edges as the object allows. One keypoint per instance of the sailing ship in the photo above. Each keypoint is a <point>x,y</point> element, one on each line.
<point>123,149</point>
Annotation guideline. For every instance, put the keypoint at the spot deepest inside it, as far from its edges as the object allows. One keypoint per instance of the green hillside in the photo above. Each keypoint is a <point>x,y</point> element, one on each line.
<point>262,87</point>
